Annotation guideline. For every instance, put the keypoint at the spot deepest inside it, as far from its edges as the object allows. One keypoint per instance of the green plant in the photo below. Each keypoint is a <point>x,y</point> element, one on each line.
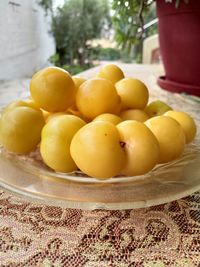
<point>73,25</point>
<point>101,53</point>
<point>129,19</point>
<point>47,5</point>
<point>72,69</point>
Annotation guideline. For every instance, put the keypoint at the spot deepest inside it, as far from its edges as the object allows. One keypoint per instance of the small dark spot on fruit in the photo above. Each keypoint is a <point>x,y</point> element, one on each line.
<point>122,144</point>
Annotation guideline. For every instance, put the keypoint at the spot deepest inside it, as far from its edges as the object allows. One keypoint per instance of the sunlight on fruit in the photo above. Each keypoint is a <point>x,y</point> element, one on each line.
<point>20,103</point>
<point>97,151</point>
<point>186,122</point>
<point>78,81</point>
<point>97,96</point>
<point>156,108</point>
<point>21,129</point>
<point>141,147</point>
<point>133,92</point>
<point>53,89</point>
<point>111,72</point>
<point>170,136</point>
<point>56,139</point>
<point>134,114</point>
<point>102,126</point>
<point>109,117</point>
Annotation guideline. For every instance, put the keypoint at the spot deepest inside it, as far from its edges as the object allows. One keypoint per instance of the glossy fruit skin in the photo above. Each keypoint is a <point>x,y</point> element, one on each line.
<point>20,103</point>
<point>56,139</point>
<point>170,136</point>
<point>186,122</point>
<point>56,114</point>
<point>157,108</point>
<point>46,114</point>
<point>111,72</point>
<point>141,147</point>
<point>133,92</point>
<point>77,113</point>
<point>78,81</point>
<point>134,114</point>
<point>108,117</point>
<point>97,96</point>
<point>21,129</point>
<point>97,151</point>
<point>53,89</point>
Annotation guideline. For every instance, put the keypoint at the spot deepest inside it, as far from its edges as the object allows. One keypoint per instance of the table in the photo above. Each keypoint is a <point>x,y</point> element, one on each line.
<point>36,234</point>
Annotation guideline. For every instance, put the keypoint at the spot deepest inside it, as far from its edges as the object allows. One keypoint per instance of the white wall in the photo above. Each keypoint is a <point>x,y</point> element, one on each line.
<point>25,42</point>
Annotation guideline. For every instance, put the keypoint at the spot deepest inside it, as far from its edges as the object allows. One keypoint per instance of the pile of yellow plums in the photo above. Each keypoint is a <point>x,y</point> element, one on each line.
<point>103,126</point>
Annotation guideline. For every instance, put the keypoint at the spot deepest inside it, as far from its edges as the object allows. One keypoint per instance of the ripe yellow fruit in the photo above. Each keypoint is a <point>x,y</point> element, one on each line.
<point>170,136</point>
<point>97,151</point>
<point>78,114</point>
<point>186,122</point>
<point>141,147</point>
<point>55,114</point>
<point>97,96</point>
<point>78,81</point>
<point>133,92</point>
<point>20,103</point>
<point>56,139</point>
<point>111,72</point>
<point>134,114</point>
<point>109,117</point>
<point>53,89</point>
<point>21,129</point>
<point>156,108</point>
<point>46,114</point>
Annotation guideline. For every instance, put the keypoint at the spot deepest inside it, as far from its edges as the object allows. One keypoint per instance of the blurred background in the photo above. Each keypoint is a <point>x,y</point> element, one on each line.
<point>72,34</point>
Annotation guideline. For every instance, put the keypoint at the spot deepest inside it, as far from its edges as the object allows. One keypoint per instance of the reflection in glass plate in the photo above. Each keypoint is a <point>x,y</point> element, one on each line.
<point>27,175</point>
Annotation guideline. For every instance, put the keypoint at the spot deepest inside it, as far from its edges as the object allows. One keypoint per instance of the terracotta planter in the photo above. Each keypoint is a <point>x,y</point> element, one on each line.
<point>179,36</point>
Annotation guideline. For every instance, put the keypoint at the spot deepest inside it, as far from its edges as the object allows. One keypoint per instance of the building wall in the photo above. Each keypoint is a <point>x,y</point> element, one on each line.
<point>25,42</point>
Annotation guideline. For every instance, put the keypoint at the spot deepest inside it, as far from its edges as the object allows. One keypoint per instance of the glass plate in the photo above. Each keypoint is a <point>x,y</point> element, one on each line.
<point>28,176</point>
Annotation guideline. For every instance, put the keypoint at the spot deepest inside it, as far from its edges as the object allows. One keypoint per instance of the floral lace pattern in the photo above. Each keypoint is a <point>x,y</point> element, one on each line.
<point>33,234</point>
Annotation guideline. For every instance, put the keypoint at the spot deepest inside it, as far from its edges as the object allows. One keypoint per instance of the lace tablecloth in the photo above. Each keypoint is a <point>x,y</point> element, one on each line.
<point>34,234</point>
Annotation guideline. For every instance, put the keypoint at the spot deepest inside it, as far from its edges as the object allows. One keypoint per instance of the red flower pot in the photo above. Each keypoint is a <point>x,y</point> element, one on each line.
<point>179,35</point>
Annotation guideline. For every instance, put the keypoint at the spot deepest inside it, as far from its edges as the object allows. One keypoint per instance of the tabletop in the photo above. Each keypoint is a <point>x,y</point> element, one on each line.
<point>38,234</point>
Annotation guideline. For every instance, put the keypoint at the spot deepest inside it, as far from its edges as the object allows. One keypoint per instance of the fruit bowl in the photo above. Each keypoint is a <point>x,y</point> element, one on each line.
<point>97,148</point>
<point>28,176</point>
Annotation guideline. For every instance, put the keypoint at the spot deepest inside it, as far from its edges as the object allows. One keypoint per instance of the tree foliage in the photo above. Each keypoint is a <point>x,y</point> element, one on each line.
<point>47,5</point>
<point>128,20</point>
<point>74,24</point>
<point>130,17</point>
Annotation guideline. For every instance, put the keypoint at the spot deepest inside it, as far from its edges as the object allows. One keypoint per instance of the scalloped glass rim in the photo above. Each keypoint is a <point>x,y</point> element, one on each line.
<point>36,166</point>
<point>165,183</point>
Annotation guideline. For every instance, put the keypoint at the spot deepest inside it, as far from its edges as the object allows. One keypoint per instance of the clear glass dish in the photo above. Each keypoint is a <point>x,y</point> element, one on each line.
<point>28,176</point>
